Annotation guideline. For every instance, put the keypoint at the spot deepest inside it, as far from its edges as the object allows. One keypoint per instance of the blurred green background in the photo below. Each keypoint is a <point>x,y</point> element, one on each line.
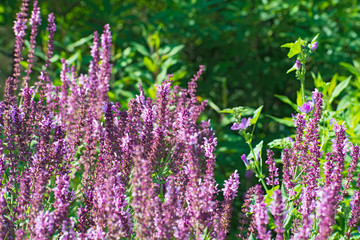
<point>238,42</point>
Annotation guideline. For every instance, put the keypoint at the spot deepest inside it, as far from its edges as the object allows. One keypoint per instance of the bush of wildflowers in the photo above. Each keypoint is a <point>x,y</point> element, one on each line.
<point>74,165</point>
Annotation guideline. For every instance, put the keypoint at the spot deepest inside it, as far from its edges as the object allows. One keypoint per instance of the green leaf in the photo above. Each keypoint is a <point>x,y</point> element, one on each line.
<point>299,100</point>
<point>149,64</point>
<point>251,237</point>
<point>283,191</point>
<point>256,115</point>
<point>314,39</point>
<point>295,49</point>
<point>287,45</point>
<point>332,84</point>
<point>291,70</point>
<point>285,121</point>
<point>74,57</point>
<point>140,48</point>
<point>339,88</point>
<point>257,150</point>
<point>350,68</point>
<point>233,110</point>
<point>280,143</point>
<point>174,51</point>
<point>285,99</point>
<point>71,47</point>
<point>269,194</point>
<point>289,218</point>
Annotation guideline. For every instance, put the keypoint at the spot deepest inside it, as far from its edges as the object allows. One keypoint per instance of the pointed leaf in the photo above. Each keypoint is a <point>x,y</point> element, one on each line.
<point>140,48</point>
<point>285,99</point>
<point>287,45</point>
<point>339,88</point>
<point>285,121</point>
<point>295,49</point>
<point>256,115</point>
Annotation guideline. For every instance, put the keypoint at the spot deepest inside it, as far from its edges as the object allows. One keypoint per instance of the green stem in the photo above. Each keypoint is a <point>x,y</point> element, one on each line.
<point>258,169</point>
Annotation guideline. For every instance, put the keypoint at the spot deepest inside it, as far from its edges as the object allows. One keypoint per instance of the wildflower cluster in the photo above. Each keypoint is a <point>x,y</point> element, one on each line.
<point>313,194</point>
<point>75,166</point>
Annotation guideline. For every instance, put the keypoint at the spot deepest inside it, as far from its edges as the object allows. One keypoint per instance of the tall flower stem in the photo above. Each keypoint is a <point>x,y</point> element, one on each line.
<point>258,170</point>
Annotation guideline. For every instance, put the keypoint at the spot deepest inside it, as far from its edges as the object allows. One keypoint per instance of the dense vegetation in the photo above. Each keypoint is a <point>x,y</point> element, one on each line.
<point>239,44</point>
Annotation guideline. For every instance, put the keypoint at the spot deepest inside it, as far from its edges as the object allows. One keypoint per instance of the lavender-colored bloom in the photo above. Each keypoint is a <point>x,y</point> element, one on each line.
<point>44,225</point>
<point>306,107</point>
<point>35,21</point>
<point>307,207</point>
<point>261,215</point>
<point>355,209</point>
<point>63,199</point>
<point>230,189</point>
<point>355,155</point>
<point>244,158</point>
<point>273,179</point>
<point>277,210</point>
<point>244,123</point>
<point>51,28</point>
<point>326,210</point>
<point>297,65</point>
<point>5,227</point>
<point>314,46</point>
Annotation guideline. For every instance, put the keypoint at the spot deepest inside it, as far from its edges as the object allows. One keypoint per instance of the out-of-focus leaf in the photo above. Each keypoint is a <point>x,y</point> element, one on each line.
<point>149,64</point>
<point>288,220</point>
<point>80,42</point>
<point>332,84</point>
<point>140,48</point>
<point>285,99</point>
<point>350,68</point>
<point>287,45</point>
<point>286,121</point>
<point>174,51</point>
<point>339,88</point>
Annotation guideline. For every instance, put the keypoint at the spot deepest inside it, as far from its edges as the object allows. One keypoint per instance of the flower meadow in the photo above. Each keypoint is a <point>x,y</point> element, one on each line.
<point>74,165</point>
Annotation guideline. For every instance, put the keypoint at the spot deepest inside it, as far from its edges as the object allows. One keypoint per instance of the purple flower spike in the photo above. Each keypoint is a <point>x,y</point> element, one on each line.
<point>297,65</point>
<point>246,162</point>
<point>307,107</point>
<point>314,46</point>
<point>242,126</point>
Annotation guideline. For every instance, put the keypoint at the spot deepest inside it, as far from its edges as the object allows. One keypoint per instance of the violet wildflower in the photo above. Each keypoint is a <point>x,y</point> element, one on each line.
<point>5,224</point>
<point>244,158</point>
<point>306,107</point>
<point>314,46</point>
<point>277,210</point>
<point>244,123</point>
<point>355,155</point>
<point>326,210</point>
<point>297,65</point>
<point>306,210</point>
<point>261,215</point>
<point>230,189</point>
<point>44,225</point>
<point>246,214</point>
<point>355,209</point>
<point>273,179</point>
<point>63,199</point>
<point>144,198</point>
<point>51,28</point>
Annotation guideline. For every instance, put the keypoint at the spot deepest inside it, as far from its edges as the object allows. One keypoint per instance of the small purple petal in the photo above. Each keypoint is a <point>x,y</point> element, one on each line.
<point>246,162</point>
<point>307,107</point>
<point>235,127</point>
<point>314,46</point>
